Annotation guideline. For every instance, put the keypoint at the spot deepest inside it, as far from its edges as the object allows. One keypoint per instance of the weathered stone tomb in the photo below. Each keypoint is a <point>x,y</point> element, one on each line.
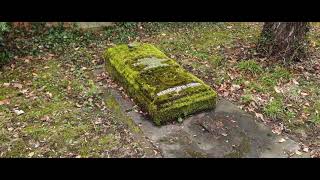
<point>158,84</point>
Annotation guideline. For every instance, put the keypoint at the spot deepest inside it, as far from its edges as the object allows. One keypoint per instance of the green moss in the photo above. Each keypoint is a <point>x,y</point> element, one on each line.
<point>155,88</point>
<point>6,92</point>
<point>41,108</point>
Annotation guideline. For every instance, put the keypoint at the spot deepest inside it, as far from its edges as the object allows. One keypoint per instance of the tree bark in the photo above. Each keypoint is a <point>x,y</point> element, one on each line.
<point>284,40</point>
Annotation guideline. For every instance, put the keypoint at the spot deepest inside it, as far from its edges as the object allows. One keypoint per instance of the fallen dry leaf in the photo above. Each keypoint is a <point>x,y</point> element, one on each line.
<point>281,140</point>
<point>298,153</point>
<point>235,87</point>
<point>6,84</point>
<point>4,102</point>
<point>17,85</point>
<point>24,91</point>
<point>18,112</point>
<point>49,94</point>
<point>277,130</point>
<point>98,121</point>
<point>258,115</point>
<point>277,89</point>
<point>45,118</point>
<point>295,82</point>
<point>31,154</point>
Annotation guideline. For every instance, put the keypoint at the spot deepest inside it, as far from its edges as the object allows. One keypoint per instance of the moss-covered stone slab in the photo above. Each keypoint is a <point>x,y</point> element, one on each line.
<point>158,84</point>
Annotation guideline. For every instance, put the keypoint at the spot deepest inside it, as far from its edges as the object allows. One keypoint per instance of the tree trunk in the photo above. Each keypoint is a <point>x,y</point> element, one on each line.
<point>284,40</point>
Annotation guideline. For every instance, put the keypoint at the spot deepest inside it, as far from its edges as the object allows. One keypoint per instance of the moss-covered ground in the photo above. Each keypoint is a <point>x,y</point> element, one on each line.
<point>66,112</point>
<point>57,104</point>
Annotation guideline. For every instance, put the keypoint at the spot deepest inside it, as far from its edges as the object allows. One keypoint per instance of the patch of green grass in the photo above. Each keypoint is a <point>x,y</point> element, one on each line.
<point>246,98</point>
<point>77,87</point>
<point>281,73</point>
<point>274,76</point>
<point>315,116</point>
<point>274,109</point>
<point>200,55</point>
<point>122,32</point>
<point>174,46</point>
<point>289,115</point>
<point>277,74</point>
<point>250,66</point>
<point>216,60</point>
<point>109,140</point>
<point>36,131</point>
<point>6,92</point>
<point>200,39</point>
<point>64,131</point>
<point>268,81</point>
<point>113,105</point>
<point>53,39</point>
<point>92,89</point>
<point>45,108</point>
<point>313,35</point>
<point>221,78</point>
<point>18,148</point>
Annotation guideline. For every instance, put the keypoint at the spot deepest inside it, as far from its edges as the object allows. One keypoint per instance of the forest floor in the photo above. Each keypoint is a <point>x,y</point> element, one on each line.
<point>54,98</point>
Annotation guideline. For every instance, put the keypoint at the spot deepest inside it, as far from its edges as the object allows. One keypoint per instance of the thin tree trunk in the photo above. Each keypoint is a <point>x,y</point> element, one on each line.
<point>284,40</point>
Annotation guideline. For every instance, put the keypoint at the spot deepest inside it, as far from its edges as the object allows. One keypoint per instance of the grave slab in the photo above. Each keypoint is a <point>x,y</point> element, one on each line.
<point>158,84</point>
